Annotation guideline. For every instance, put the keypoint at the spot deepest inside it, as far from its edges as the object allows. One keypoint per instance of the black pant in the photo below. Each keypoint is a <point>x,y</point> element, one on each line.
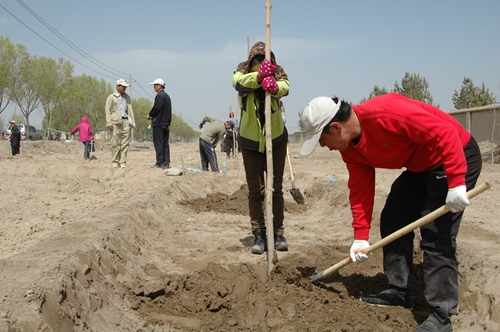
<point>229,144</point>
<point>255,164</point>
<point>412,196</point>
<point>208,156</point>
<point>15,149</point>
<point>162,146</point>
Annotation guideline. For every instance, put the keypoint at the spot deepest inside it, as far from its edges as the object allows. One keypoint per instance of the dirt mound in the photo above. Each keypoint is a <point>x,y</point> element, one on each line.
<point>240,297</point>
<point>89,248</point>
<point>236,203</point>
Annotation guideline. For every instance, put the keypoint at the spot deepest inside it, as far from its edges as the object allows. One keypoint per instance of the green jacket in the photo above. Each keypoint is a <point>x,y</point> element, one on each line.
<point>252,131</point>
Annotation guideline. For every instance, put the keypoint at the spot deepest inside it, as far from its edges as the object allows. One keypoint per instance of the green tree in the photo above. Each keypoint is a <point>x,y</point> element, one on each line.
<point>415,87</point>
<point>55,78</point>
<point>67,113</point>
<point>7,60</point>
<point>375,92</point>
<point>24,91</point>
<point>85,96</point>
<point>180,129</point>
<point>95,92</point>
<point>141,108</point>
<point>472,96</point>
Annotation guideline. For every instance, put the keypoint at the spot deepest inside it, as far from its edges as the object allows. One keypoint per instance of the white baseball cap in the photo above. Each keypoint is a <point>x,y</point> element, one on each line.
<point>122,82</point>
<point>317,114</point>
<point>158,81</point>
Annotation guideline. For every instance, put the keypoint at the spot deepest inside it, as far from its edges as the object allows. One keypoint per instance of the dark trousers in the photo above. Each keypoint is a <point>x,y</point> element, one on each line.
<point>208,156</point>
<point>412,196</point>
<point>15,149</point>
<point>162,146</point>
<point>229,144</point>
<point>255,171</point>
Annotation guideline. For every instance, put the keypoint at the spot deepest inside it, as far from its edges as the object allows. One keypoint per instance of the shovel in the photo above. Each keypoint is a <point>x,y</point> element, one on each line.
<point>399,233</point>
<point>297,196</point>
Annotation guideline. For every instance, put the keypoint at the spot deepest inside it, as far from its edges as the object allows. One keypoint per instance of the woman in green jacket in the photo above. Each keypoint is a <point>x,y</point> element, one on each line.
<point>252,79</point>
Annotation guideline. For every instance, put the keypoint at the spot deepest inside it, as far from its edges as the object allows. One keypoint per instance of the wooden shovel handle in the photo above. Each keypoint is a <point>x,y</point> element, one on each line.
<point>401,232</point>
<point>289,164</point>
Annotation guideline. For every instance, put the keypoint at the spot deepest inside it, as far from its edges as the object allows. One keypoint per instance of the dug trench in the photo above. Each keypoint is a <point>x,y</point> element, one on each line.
<point>177,258</point>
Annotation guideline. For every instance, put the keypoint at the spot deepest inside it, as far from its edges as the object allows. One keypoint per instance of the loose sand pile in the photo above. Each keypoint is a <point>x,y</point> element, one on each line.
<point>85,247</point>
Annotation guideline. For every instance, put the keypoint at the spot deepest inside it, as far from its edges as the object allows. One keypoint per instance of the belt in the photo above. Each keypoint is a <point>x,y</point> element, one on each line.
<point>124,117</point>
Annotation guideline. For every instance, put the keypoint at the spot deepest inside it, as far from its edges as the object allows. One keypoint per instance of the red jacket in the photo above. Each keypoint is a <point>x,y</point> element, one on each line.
<point>400,132</point>
<point>85,130</point>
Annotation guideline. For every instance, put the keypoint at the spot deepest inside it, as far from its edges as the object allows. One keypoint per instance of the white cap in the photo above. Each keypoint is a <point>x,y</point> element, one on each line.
<point>317,114</point>
<point>158,81</point>
<point>122,82</point>
<point>12,121</point>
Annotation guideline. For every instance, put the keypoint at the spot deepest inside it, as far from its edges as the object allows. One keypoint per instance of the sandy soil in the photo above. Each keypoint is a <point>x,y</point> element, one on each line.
<point>85,247</point>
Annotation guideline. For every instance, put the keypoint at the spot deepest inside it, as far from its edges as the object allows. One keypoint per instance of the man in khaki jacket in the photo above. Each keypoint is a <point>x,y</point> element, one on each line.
<point>119,120</point>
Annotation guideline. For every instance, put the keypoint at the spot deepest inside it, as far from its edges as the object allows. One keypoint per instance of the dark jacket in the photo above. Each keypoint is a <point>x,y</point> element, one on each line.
<point>15,136</point>
<point>161,113</point>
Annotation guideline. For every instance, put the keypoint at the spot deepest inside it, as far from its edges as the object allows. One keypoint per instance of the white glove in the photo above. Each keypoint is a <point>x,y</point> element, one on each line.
<point>357,246</point>
<point>456,199</point>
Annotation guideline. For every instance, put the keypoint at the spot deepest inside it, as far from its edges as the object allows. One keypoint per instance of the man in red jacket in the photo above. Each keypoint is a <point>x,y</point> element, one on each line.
<point>442,162</point>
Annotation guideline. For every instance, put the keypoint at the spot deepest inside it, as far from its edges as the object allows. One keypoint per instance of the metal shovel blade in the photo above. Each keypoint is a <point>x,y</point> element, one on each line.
<point>297,195</point>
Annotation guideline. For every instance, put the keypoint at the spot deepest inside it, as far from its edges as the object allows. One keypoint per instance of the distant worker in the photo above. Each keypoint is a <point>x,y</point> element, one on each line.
<point>15,138</point>
<point>229,139</point>
<point>209,139</point>
<point>235,131</point>
<point>85,136</point>
<point>119,120</point>
<point>161,117</point>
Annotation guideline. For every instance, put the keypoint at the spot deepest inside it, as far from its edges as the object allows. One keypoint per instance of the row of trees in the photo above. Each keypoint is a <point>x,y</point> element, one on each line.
<point>40,83</point>
<point>416,87</point>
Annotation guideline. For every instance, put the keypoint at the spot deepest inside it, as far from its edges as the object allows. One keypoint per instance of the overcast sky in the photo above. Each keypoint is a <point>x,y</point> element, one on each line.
<point>330,48</point>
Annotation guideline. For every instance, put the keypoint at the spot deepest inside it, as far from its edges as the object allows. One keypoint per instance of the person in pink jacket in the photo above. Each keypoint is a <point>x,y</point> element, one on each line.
<point>85,136</point>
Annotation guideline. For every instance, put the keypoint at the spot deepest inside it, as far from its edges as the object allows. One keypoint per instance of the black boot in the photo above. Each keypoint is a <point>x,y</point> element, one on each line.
<point>280,243</point>
<point>393,296</point>
<point>259,244</point>
<point>435,324</point>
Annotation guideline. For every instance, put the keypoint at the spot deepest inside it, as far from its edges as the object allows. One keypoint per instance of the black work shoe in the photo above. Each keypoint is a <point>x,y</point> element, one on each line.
<point>389,297</point>
<point>157,166</point>
<point>434,324</point>
<point>280,243</point>
<point>259,244</point>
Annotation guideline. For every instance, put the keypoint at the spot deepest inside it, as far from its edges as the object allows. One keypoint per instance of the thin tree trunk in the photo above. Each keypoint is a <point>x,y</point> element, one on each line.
<point>269,153</point>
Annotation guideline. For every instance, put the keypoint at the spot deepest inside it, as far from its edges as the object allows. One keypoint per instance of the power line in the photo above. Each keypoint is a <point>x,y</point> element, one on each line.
<point>68,42</point>
<point>72,45</point>
<point>54,45</point>
<point>142,88</point>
